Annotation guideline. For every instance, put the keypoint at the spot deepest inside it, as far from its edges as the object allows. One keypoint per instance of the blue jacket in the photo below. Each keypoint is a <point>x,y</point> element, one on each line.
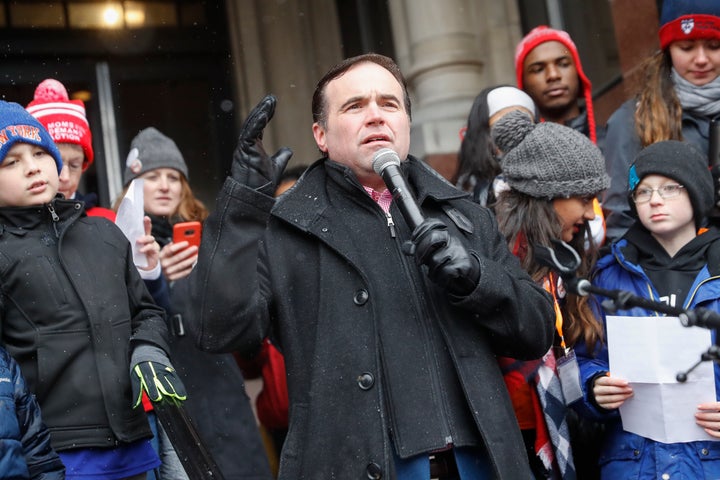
<point>624,454</point>
<point>25,451</point>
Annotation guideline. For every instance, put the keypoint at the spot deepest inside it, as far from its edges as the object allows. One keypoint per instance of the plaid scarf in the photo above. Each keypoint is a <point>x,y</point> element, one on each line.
<point>547,385</point>
<point>552,438</point>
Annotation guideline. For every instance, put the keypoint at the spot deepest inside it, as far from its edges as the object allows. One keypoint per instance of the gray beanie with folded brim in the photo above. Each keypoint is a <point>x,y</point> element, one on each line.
<point>150,150</point>
<point>548,160</point>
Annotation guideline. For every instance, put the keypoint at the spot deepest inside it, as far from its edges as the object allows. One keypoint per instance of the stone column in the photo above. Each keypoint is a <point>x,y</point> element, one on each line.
<point>448,52</point>
<point>283,48</point>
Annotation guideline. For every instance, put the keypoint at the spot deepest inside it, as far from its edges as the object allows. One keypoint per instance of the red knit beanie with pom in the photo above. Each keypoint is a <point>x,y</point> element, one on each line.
<point>63,118</point>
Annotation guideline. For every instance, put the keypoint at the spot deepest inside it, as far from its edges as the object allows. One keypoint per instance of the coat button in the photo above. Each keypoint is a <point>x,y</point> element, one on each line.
<point>374,472</point>
<point>361,297</point>
<point>636,452</point>
<point>366,381</point>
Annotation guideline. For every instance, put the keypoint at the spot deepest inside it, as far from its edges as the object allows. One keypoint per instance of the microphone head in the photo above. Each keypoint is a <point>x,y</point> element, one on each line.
<point>383,158</point>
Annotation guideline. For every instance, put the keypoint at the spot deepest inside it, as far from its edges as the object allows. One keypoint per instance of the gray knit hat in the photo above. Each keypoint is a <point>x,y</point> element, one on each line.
<point>548,160</point>
<point>149,150</point>
<point>683,163</point>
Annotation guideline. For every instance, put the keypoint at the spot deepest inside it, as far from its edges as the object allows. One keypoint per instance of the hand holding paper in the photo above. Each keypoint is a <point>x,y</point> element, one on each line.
<point>648,352</point>
<point>148,246</point>
<point>130,217</point>
<point>611,392</point>
<point>708,417</point>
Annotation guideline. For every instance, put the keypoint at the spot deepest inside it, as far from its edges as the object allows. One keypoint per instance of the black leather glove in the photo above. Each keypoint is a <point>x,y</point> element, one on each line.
<point>251,166</point>
<point>152,373</point>
<point>449,263</point>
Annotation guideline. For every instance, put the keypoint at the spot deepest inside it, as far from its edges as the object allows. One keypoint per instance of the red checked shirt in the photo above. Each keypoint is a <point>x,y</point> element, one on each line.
<point>383,198</point>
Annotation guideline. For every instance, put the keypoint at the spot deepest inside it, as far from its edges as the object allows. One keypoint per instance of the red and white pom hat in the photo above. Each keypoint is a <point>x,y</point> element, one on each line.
<point>63,118</point>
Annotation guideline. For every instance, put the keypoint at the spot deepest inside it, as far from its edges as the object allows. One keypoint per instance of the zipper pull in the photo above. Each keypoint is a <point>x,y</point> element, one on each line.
<point>54,215</point>
<point>390,224</point>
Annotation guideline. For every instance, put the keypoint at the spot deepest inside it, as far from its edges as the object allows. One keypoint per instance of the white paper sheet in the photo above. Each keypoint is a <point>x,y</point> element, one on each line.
<point>129,218</point>
<point>649,352</point>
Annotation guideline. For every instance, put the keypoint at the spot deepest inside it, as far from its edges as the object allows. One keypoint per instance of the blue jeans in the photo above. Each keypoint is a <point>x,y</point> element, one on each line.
<point>171,468</point>
<point>472,463</point>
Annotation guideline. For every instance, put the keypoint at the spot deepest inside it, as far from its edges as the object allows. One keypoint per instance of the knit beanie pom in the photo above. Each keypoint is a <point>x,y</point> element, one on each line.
<point>64,119</point>
<point>50,90</point>
<point>511,129</point>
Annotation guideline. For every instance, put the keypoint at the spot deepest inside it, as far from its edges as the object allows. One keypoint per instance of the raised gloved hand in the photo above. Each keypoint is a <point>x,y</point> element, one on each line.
<point>449,263</point>
<point>251,166</point>
<point>151,372</point>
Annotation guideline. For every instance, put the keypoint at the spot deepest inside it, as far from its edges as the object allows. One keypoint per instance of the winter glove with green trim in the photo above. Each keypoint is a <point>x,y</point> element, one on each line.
<point>152,373</point>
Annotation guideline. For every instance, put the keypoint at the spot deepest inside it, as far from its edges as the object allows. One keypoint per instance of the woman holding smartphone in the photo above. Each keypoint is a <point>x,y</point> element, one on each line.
<point>216,400</point>
<point>168,197</point>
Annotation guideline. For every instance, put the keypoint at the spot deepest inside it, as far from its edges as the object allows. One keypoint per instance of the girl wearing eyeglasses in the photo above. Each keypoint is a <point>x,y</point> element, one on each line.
<point>664,256</point>
<point>679,99</point>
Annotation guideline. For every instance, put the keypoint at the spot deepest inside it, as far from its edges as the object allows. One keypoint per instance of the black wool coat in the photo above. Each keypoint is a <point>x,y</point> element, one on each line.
<point>307,269</point>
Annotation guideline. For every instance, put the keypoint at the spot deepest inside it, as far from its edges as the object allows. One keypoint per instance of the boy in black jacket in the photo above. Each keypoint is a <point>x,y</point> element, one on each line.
<point>75,313</point>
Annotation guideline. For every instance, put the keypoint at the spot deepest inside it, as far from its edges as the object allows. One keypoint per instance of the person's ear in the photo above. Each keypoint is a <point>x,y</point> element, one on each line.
<point>320,137</point>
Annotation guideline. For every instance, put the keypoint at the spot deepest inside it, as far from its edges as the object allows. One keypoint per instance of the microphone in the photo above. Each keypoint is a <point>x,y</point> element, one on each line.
<point>714,143</point>
<point>386,163</point>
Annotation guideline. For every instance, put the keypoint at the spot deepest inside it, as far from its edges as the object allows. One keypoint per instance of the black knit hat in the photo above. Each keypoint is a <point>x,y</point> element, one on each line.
<point>683,163</point>
<point>548,160</point>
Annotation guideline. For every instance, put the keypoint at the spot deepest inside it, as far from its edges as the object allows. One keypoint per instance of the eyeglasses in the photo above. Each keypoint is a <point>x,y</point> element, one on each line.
<point>643,195</point>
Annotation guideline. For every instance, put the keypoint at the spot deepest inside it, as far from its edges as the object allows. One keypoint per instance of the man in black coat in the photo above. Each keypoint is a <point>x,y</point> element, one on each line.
<point>389,332</point>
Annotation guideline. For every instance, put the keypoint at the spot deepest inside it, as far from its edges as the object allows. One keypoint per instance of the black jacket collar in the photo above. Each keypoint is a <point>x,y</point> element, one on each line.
<point>308,199</point>
<point>18,219</point>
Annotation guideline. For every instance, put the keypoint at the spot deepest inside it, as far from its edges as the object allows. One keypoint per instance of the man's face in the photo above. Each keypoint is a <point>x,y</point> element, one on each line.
<point>364,113</point>
<point>550,77</point>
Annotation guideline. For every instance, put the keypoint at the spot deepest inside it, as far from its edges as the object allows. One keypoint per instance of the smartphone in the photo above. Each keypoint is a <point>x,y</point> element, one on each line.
<point>187,231</point>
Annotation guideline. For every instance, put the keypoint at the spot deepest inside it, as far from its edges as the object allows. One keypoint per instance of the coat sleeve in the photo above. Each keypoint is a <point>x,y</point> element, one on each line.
<point>230,299</point>
<point>620,146</point>
<point>147,318</point>
<point>42,461</point>
<point>160,292</point>
<point>593,364</point>
<point>517,313</point>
